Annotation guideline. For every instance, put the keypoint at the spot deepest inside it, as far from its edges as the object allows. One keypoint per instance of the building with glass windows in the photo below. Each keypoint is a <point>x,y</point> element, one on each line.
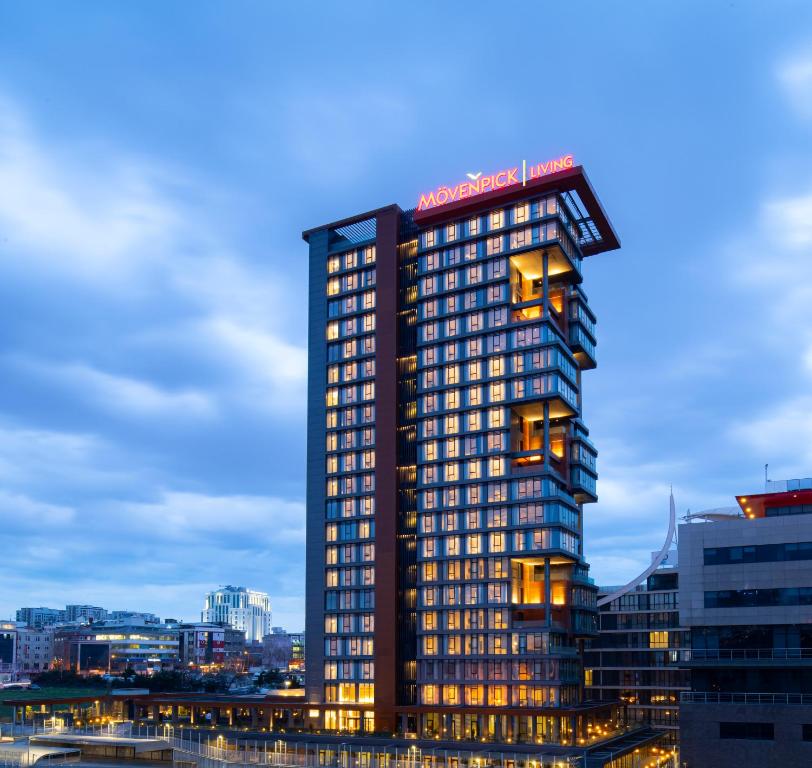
<point>745,592</point>
<point>639,656</point>
<point>247,610</point>
<point>449,465</point>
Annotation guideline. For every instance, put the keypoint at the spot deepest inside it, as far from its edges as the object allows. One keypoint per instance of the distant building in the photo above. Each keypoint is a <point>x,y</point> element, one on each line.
<point>84,613</point>
<point>116,647</point>
<point>277,650</point>
<point>8,647</point>
<point>40,617</point>
<point>210,645</point>
<point>240,608</point>
<point>35,649</point>
<point>297,660</point>
<point>147,618</point>
<point>283,650</point>
<point>745,591</point>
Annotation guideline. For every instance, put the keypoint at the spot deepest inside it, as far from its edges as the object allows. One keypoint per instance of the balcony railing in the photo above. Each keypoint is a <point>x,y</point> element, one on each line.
<point>714,697</point>
<point>750,654</point>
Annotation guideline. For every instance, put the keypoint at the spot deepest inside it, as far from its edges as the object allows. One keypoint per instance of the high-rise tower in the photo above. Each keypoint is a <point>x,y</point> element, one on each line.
<point>448,464</point>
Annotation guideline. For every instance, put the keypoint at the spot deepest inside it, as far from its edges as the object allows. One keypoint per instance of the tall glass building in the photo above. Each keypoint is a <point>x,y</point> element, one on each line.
<point>448,463</point>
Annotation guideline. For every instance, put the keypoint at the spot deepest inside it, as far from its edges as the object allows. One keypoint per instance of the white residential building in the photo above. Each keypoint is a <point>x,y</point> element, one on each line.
<point>240,608</point>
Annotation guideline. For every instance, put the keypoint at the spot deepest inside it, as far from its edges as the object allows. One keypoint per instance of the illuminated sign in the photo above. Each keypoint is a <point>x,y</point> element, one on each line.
<point>478,183</point>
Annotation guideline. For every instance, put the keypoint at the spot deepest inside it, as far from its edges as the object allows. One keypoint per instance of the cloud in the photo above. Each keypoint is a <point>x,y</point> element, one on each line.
<point>139,236</point>
<point>781,434</point>
<point>183,515</point>
<point>269,371</point>
<point>21,513</point>
<point>126,295</point>
<point>160,555</point>
<point>62,463</point>
<point>124,396</point>
<point>795,77</point>
<point>104,215</point>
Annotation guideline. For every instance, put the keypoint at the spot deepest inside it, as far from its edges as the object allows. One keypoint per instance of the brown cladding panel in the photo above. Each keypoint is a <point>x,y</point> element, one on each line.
<point>386,392</point>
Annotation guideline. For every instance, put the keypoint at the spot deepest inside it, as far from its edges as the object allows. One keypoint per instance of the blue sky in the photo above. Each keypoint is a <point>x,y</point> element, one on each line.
<point>158,162</point>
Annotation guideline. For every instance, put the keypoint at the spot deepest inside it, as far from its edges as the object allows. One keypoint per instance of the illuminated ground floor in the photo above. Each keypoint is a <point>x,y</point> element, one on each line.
<point>344,737</point>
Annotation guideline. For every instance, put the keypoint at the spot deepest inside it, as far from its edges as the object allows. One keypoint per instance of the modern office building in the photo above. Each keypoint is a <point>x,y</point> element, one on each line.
<point>116,647</point>
<point>240,608</point>
<point>639,654</point>
<point>448,463</point>
<point>745,591</point>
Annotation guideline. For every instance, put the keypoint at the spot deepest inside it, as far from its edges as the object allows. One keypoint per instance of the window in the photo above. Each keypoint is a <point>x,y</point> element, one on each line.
<point>473,226</point>
<point>496,219</point>
<point>519,238</point>
<point>752,731</point>
<point>759,553</point>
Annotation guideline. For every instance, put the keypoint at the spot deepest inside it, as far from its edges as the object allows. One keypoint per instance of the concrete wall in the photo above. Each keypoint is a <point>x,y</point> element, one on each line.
<point>695,578</point>
<point>701,747</point>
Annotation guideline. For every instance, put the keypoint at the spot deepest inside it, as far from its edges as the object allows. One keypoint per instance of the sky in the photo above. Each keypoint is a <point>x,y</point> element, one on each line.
<point>159,161</point>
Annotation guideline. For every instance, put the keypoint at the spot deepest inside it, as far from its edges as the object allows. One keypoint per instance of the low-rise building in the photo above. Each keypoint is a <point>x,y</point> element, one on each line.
<point>205,645</point>
<point>35,649</point>
<point>277,650</point>
<point>116,647</point>
<point>8,647</point>
<point>139,616</point>
<point>283,650</point>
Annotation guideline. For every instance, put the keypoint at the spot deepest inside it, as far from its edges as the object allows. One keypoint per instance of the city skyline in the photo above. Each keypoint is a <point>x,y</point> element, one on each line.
<point>152,416</point>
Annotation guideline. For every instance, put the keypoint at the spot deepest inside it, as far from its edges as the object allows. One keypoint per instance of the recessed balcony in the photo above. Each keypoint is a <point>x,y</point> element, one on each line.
<point>534,601</point>
<point>527,439</point>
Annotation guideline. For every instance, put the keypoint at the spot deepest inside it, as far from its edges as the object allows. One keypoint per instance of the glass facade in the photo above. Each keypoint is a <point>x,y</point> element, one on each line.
<point>504,464</point>
<point>640,656</point>
<point>349,523</point>
<point>451,470</point>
